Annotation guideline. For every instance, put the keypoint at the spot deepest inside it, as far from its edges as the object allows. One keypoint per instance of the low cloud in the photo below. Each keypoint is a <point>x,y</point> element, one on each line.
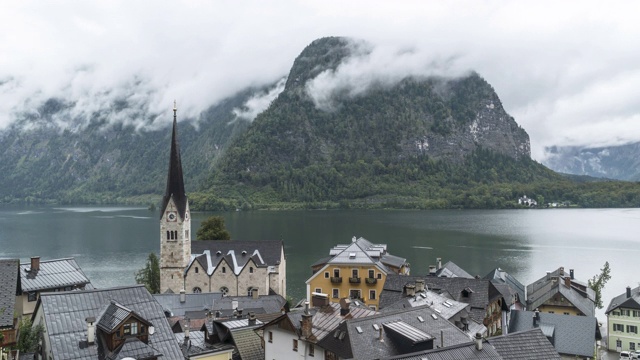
<point>259,102</point>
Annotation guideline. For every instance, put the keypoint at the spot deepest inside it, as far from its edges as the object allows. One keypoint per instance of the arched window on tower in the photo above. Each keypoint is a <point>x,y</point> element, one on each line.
<point>168,235</point>
<point>197,290</point>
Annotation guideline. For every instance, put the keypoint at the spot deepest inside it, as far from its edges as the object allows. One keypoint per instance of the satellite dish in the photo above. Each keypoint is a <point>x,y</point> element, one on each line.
<point>151,331</point>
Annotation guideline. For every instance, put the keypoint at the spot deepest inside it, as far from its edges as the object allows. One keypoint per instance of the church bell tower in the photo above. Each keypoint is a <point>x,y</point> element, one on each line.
<point>175,222</point>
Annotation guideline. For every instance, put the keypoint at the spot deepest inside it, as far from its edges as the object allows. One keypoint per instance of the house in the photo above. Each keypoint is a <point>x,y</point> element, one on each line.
<point>9,285</point>
<point>572,336</point>
<point>389,334</point>
<point>193,309</point>
<point>531,344</point>
<point>524,200</point>
<point>511,289</point>
<point>195,348</point>
<point>357,270</point>
<point>450,269</point>
<point>234,268</point>
<point>560,293</point>
<point>456,312</point>
<point>623,321</point>
<point>296,334</point>
<point>238,332</point>
<point>37,277</point>
<point>486,303</point>
<point>114,323</point>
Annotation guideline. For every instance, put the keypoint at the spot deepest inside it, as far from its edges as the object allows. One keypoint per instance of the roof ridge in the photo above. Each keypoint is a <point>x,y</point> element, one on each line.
<point>50,260</point>
<point>92,290</point>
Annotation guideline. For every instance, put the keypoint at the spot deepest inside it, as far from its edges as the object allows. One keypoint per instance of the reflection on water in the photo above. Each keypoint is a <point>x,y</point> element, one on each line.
<point>112,243</point>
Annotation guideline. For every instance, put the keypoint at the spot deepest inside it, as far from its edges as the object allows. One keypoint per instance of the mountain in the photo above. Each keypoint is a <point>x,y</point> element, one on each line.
<point>404,140</point>
<point>614,162</point>
<point>102,162</point>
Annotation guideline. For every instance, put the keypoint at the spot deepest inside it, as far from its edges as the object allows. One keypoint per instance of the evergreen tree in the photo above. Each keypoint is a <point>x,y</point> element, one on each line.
<point>213,229</point>
<point>150,274</point>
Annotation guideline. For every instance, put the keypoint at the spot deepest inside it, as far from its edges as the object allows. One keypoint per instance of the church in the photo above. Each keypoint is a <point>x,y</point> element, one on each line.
<point>234,268</point>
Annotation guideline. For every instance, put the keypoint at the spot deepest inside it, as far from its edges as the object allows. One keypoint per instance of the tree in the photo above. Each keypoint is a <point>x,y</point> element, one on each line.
<point>29,336</point>
<point>150,274</point>
<point>598,281</point>
<point>213,229</point>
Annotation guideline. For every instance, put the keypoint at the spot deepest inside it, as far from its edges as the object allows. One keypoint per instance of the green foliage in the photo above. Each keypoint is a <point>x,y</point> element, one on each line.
<point>598,282</point>
<point>29,336</point>
<point>213,229</point>
<point>150,274</point>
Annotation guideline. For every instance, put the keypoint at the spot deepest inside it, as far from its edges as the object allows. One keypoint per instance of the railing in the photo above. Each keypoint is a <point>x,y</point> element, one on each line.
<point>336,280</point>
<point>354,280</point>
<point>371,281</point>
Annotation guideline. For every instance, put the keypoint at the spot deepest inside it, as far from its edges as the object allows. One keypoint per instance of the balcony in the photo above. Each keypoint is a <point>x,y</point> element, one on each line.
<point>371,281</point>
<point>336,280</point>
<point>354,280</point>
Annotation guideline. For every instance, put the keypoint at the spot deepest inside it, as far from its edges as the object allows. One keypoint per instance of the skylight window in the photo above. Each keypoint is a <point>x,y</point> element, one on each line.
<point>446,304</point>
<point>376,327</point>
<point>424,296</point>
<point>420,319</point>
<point>359,329</point>
<point>436,310</point>
<point>434,316</point>
<point>352,255</point>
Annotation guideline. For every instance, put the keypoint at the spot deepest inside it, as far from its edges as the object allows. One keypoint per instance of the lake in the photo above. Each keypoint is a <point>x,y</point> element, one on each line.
<point>111,243</point>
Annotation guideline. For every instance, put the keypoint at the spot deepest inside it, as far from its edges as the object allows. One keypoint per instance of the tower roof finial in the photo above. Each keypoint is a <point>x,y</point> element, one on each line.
<point>175,109</point>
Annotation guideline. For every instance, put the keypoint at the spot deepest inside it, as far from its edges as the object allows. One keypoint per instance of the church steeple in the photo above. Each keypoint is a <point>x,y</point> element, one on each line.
<point>175,181</point>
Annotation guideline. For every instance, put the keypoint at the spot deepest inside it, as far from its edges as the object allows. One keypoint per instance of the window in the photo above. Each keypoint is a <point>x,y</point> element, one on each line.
<point>250,269</point>
<point>196,269</point>
<point>551,312</point>
<point>326,274</point>
<point>379,276</point>
<point>632,329</point>
<point>142,329</point>
<point>197,290</point>
<point>632,346</point>
<point>566,313</point>
<point>168,235</point>
<point>32,296</point>
<point>354,294</point>
<point>224,290</point>
<point>335,293</point>
<point>372,294</point>
<point>371,274</point>
<point>134,328</point>
<point>295,345</point>
<point>224,269</point>
<point>336,272</point>
<point>616,313</point>
<point>127,329</point>
<point>311,350</point>
<point>250,291</point>
<point>318,290</point>
<point>625,312</point>
<point>618,327</point>
<point>619,343</point>
<point>354,273</point>
<point>270,336</point>
<point>636,313</point>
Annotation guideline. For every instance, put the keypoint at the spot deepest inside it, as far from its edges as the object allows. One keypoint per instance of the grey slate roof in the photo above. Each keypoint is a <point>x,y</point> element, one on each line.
<point>572,335</point>
<point>112,316</point>
<point>65,314</point>
<point>524,345</point>
<point>8,289</point>
<point>134,348</point>
<point>507,285</point>
<point>52,274</point>
<point>483,291</point>
<point>196,344</point>
<point>236,253</point>
<point>361,251</point>
<point>197,303</point>
<point>248,343</point>
<point>351,343</point>
<point>622,301</point>
<point>450,269</point>
<point>581,296</point>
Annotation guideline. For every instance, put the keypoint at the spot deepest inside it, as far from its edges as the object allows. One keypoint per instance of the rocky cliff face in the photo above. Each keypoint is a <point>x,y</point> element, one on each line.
<point>613,162</point>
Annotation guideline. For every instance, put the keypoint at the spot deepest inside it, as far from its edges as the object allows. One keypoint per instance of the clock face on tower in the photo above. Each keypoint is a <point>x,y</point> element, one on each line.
<point>171,216</point>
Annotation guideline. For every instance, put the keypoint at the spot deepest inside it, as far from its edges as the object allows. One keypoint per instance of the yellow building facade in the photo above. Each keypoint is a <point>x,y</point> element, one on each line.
<point>359,282</point>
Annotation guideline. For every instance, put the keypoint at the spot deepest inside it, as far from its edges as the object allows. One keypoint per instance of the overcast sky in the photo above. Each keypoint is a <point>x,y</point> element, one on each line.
<point>568,72</point>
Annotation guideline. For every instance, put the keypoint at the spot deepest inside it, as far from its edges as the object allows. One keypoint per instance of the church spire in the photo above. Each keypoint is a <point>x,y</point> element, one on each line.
<point>175,181</point>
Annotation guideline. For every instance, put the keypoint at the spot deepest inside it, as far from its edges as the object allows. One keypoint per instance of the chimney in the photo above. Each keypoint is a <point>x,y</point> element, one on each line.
<point>567,282</point>
<point>419,285</point>
<point>186,329</point>
<point>478,341</point>
<point>536,318</point>
<point>239,313</point>
<point>318,300</point>
<point>183,296</point>
<point>628,292</point>
<point>561,271</point>
<point>234,304</point>
<point>410,290</point>
<point>548,275</point>
<point>254,293</point>
<point>91,330</point>
<point>218,314</point>
<point>306,323</point>
<point>344,306</point>
<point>35,263</point>
<point>432,269</point>
<point>380,337</point>
<point>252,319</point>
<point>353,239</point>
<point>439,262</point>
<point>571,274</point>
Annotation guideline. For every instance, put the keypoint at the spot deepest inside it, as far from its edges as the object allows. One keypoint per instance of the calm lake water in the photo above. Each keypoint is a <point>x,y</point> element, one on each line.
<point>111,243</point>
